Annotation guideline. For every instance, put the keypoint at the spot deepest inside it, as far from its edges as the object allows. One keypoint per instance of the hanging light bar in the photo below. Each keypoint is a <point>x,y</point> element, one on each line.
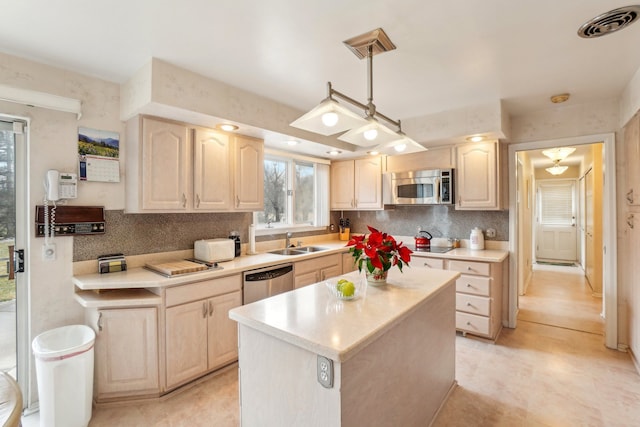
<point>330,117</point>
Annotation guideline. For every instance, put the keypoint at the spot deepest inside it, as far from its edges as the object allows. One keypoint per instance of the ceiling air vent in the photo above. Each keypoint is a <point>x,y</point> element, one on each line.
<point>609,22</point>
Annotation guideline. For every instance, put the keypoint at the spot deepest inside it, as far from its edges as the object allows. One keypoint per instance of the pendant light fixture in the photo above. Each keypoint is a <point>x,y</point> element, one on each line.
<point>559,153</point>
<point>331,117</point>
<point>556,169</point>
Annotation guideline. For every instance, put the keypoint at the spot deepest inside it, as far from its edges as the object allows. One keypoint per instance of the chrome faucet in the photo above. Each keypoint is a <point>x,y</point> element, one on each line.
<point>287,241</point>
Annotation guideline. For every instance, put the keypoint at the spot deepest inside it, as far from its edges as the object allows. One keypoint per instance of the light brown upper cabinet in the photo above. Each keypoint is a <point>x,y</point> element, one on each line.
<point>357,184</point>
<point>632,151</point>
<point>478,184</point>
<point>176,167</point>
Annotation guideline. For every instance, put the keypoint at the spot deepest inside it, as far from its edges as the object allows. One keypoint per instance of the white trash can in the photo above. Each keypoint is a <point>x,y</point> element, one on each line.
<point>64,368</point>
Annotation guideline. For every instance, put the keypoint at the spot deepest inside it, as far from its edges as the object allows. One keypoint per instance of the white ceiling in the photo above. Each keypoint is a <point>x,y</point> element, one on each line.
<point>450,54</point>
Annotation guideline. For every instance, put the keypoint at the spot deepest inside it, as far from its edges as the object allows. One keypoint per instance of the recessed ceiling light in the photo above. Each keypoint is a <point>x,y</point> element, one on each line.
<point>560,98</point>
<point>334,152</point>
<point>291,142</point>
<point>227,127</point>
<point>372,153</point>
<point>475,138</point>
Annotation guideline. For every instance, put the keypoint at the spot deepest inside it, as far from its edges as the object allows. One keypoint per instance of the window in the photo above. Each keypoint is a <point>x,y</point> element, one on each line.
<point>296,193</point>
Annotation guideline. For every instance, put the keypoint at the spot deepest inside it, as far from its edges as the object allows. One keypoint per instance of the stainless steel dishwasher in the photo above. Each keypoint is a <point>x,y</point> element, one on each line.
<point>266,282</point>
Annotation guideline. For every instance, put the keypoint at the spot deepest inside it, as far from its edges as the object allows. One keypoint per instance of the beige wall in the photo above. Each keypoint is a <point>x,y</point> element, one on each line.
<point>53,145</point>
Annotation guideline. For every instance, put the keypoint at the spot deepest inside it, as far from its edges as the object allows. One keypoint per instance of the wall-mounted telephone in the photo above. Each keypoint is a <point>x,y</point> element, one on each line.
<point>61,185</point>
<point>57,186</point>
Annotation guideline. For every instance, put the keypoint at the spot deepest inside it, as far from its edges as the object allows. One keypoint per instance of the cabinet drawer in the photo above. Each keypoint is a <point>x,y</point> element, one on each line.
<point>472,323</point>
<point>201,290</point>
<point>470,267</point>
<point>430,263</point>
<point>473,304</point>
<point>473,285</point>
<point>316,264</point>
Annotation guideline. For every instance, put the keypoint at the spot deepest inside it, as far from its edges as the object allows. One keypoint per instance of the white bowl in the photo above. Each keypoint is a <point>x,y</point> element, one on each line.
<point>332,285</point>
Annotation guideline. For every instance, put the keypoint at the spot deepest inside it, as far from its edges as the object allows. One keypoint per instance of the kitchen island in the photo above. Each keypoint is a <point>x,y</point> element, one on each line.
<point>389,354</point>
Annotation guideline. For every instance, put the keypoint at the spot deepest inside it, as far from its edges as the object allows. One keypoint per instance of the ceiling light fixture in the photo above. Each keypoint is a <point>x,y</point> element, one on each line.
<point>556,169</point>
<point>291,142</point>
<point>331,117</point>
<point>559,153</point>
<point>475,138</point>
<point>227,127</point>
<point>559,99</point>
<point>334,152</point>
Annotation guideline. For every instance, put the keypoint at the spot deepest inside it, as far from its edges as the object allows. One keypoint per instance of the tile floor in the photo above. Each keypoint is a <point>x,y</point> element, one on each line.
<point>552,370</point>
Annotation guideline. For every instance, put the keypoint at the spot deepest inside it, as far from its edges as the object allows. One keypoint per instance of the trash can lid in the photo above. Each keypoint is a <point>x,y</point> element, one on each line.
<point>64,342</point>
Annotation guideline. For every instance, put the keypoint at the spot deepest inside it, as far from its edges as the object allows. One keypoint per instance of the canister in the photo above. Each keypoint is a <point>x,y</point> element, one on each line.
<point>476,239</point>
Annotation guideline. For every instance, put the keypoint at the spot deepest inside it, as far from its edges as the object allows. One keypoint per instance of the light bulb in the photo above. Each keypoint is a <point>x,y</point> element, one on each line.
<point>370,134</point>
<point>330,119</point>
<point>400,147</point>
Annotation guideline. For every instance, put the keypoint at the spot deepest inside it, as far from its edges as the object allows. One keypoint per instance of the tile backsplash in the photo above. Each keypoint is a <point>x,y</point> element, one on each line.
<point>137,234</point>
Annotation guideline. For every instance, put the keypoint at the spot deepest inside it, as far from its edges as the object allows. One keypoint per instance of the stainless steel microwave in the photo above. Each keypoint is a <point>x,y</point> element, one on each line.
<point>425,187</point>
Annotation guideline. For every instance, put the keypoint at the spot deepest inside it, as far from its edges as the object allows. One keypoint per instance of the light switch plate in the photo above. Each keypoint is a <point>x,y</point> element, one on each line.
<point>325,371</point>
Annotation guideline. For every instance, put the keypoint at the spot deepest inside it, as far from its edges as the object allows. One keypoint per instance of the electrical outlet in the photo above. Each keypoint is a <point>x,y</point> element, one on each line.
<point>491,232</point>
<point>49,252</point>
<point>325,371</point>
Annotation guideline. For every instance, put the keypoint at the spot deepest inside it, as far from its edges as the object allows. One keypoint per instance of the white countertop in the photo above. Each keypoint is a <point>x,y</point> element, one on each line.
<point>313,319</point>
<point>143,278</point>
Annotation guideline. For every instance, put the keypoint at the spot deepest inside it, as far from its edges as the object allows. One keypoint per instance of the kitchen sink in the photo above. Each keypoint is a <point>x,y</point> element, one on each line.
<point>309,249</point>
<point>286,251</point>
<point>298,250</point>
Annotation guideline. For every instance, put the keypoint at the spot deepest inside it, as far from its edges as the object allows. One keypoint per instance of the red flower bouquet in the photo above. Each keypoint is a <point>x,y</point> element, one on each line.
<point>379,251</point>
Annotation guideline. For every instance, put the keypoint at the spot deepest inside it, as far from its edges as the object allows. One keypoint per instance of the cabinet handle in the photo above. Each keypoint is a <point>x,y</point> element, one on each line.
<point>469,268</point>
<point>204,310</point>
<point>469,304</point>
<point>355,204</point>
<point>468,323</point>
<point>184,200</point>
<point>630,196</point>
<point>237,201</point>
<point>469,285</point>
<point>630,220</point>
<point>99,323</point>
<point>210,308</point>
<point>197,200</point>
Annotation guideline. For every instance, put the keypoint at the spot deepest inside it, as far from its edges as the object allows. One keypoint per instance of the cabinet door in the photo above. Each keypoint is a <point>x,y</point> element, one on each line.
<point>186,341</point>
<point>223,332</point>
<point>304,279</point>
<point>212,179</point>
<point>342,190</point>
<point>249,174</point>
<point>126,352</point>
<point>166,165</point>
<point>368,183</point>
<point>476,175</point>
<point>632,151</point>
<point>348,263</point>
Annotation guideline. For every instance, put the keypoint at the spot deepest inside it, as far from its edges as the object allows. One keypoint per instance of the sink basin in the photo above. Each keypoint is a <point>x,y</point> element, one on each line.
<point>309,249</point>
<point>287,251</point>
<point>298,250</point>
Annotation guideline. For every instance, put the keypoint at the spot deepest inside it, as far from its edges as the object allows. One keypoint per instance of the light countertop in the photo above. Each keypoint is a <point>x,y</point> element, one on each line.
<point>142,278</point>
<point>313,319</point>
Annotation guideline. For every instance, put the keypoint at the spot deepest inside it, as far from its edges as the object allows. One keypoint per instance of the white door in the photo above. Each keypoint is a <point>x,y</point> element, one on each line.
<point>556,237</point>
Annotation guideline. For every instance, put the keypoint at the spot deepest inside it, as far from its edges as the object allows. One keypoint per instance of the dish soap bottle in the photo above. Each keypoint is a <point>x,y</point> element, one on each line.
<point>477,239</point>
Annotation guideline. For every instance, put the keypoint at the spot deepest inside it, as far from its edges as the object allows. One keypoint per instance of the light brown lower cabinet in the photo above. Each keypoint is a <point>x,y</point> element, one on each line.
<point>126,353</point>
<point>199,336</point>
<point>478,293</point>
<point>317,269</point>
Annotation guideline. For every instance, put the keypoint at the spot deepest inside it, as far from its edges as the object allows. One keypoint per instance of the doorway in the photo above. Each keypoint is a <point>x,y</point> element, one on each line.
<point>518,201</point>
<point>555,236</point>
<point>14,348</point>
